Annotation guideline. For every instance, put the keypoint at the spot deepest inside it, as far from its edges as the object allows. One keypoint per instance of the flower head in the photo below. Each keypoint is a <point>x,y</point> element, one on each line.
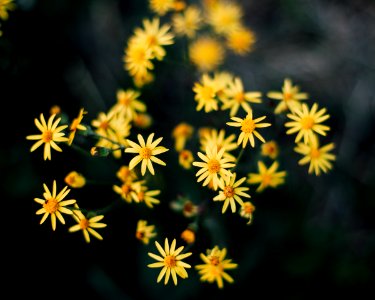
<point>270,149</point>
<point>225,17</point>
<point>185,159</point>
<point>170,261</point>
<point>267,177</point>
<point>161,7</point>
<point>137,59</point>
<point>128,103</point>
<point>5,6</point>
<point>53,205</point>
<point>76,125</point>
<point>142,121</point>
<point>205,94</point>
<point>188,235</point>
<point>75,179</point>
<point>241,41</point>
<point>188,22</point>
<point>246,211</point>
<point>125,175</point>
<point>181,133</point>
<point>144,195</point>
<point>212,137</point>
<point>50,135</point>
<point>145,232</point>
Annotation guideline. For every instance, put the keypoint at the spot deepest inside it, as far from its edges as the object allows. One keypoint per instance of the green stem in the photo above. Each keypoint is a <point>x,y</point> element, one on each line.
<point>80,150</point>
<point>238,159</point>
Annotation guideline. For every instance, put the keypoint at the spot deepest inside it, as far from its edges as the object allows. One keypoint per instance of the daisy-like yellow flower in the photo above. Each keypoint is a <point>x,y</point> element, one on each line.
<point>144,195</point>
<point>53,205</point>
<point>154,36</point>
<point>5,7</point>
<point>206,53</point>
<point>185,159</point>
<point>236,97</point>
<point>55,110</point>
<point>307,122</point>
<point>161,7</point>
<point>142,80</point>
<point>231,191</point>
<point>143,121</point>
<point>290,97</point>
<point>319,157</point>
<point>247,210</point>
<point>241,41</point>
<point>128,103</point>
<point>188,22</point>
<point>214,267</point>
<point>205,94</point>
<point>75,180</point>
<point>248,128</point>
<point>124,174</point>
<point>181,133</point>
<point>170,261</point>
<point>145,232</point>
<point>137,59</point>
<point>87,225</point>
<point>76,125</point>
<point>270,149</point>
<point>126,189</point>
<point>213,166</point>
<point>267,177</point>
<point>51,134</point>
<point>225,17</point>
<point>188,235</point>
<point>212,138</point>
<point>147,152</point>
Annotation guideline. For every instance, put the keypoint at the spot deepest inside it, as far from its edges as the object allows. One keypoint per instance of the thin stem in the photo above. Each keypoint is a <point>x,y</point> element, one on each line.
<point>238,159</point>
<point>80,150</point>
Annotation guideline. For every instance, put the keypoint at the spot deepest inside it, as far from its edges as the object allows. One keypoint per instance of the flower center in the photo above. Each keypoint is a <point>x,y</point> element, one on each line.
<point>140,235</point>
<point>228,191</point>
<point>315,153</point>
<point>239,97</point>
<point>141,196</point>
<point>170,261</point>
<point>213,166</point>
<point>104,125</point>
<point>51,205</point>
<point>214,260</point>
<point>139,56</point>
<point>307,122</point>
<point>248,126</point>
<point>248,208</point>
<point>84,223</point>
<point>207,93</point>
<point>287,96</point>
<point>266,179</point>
<point>145,153</point>
<point>188,207</point>
<point>152,41</point>
<point>47,136</point>
<point>126,189</point>
<point>125,101</point>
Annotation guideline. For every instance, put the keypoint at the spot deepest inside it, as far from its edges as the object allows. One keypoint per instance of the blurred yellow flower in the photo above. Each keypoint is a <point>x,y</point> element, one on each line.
<point>267,177</point>
<point>5,6</point>
<point>125,174</point>
<point>185,159</point>
<point>247,210</point>
<point>224,17</point>
<point>137,59</point>
<point>213,137</point>
<point>205,94</point>
<point>188,22</point>
<point>206,53</point>
<point>126,189</point>
<point>270,149</point>
<point>142,121</point>
<point>144,195</point>
<point>76,125</point>
<point>188,235</point>
<point>75,179</point>
<point>145,232</point>
<point>161,7</point>
<point>241,40</point>
<point>182,132</point>
<point>128,103</point>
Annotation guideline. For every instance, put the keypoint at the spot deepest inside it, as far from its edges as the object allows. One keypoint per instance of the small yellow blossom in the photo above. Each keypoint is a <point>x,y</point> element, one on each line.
<point>161,7</point>
<point>225,17</point>
<point>125,175</point>
<point>126,189</point>
<point>214,267</point>
<point>145,232</point>
<point>75,179</point>
<point>140,80</point>
<point>188,235</point>
<point>181,133</point>
<point>307,122</point>
<point>222,80</point>
<point>147,152</point>
<point>5,6</point>
<point>212,138</point>
<point>53,205</point>
<point>87,225</point>
<point>248,128</point>
<point>137,59</point>
<point>270,149</point>
<point>146,196</point>
<point>179,5</point>
<point>247,210</point>
<point>76,125</point>
<point>50,134</point>
<point>205,94</point>
<point>267,177</point>
<point>241,41</point>
<point>128,103</point>
<point>185,159</point>
<point>55,110</point>
<point>185,206</point>
<point>142,121</point>
<point>170,261</point>
<point>188,22</point>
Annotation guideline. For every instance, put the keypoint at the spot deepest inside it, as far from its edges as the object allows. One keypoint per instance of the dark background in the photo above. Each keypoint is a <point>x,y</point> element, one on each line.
<point>310,235</point>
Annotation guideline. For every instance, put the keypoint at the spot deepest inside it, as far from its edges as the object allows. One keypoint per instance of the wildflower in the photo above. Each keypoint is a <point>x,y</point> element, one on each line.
<point>187,23</point>
<point>205,94</point>
<point>188,235</point>
<point>241,41</point>
<point>125,174</point>
<point>99,151</point>
<point>206,53</point>
<point>53,205</point>
<point>146,153</point>
<point>50,134</point>
<point>143,195</point>
<point>213,137</point>
<point>161,7</point>
<point>143,121</point>
<point>225,17</point>
<point>5,6</point>
<point>248,128</point>
<point>75,179</point>
<point>137,59</point>
<point>214,266</point>
<point>237,97</point>
<point>185,206</point>
<point>126,189</point>
<point>290,97</point>
<point>181,133</point>
<point>141,80</point>
<point>76,125</point>
<point>213,165</point>
<point>270,149</point>
<point>267,177</point>
<point>170,261</point>
<point>55,110</point>
<point>306,122</point>
<point>221,81</point>
<point>247,210</point>
<point>128,103</point>
<point>87,225</point>
<point>319,157</point>
<point>145,232</point>
<point>231,191</point>
<point>185,158</point>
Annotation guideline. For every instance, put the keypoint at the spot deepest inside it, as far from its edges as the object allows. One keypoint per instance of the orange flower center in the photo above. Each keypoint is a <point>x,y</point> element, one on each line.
<point>125,100</point>
<point>248,126</point>
<point>145,153</point>
<point>84,223</point>
<point>140,235</point>
<point>307,122</point>
<point>139,56</point>
<point>214,260</point>
<point>104,125</point>
<point>170,261</point>
<point>141,196</point>
<point>74,125</point>
<point>248,208</point>
<point>287,96</point>
<point>47,136</point>
<point>267,178</point>
<point>51,205</point>
<point>228,191</point>
<point>213,166</point>
<point>239,97</point>
<point>126,189</point>
<point>152,40</point>
<point>315,153</point>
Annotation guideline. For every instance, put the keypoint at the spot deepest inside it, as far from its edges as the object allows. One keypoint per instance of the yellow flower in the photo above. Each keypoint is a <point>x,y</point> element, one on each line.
<point>267,177</point>
<point>231,191</point>
<point>126,189</point>
<point>319,157</point>
<point>145,232</point>
<point>53,205</point>
<point>154,37</point>
<point>187,23</point>
<point>75,180</point>
<point>214,267</point>
<point>55,110</point>
<point>247,210</point>
<point>141,80</point>
<point>241,41</point>
<point>87,225</point>
<point>50,134</point>
<point>5,6</point>
<point>248,128</point>
<point>225,17</point>
<point>128,103</point>
<point>205,94</point>
<point>143,195</point>
<point>181,133</point>
<point>76,125</point>
<point>161,7</point>
<point>213,138</point>
<point>206,53</point>
<point>213,166</point>
<point>142,121</point>
<point>125,175</point>
<point>185,206</point>
<point>188,235</point>
<point>236,97</point>
<point>290,97</point>
<point>185,158</point>
<point>137,59</point>
<point>221,81</point>
<point>147,152</point>
<point>170,261</point>
<point>270,149</point>
<point>306,122</point>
